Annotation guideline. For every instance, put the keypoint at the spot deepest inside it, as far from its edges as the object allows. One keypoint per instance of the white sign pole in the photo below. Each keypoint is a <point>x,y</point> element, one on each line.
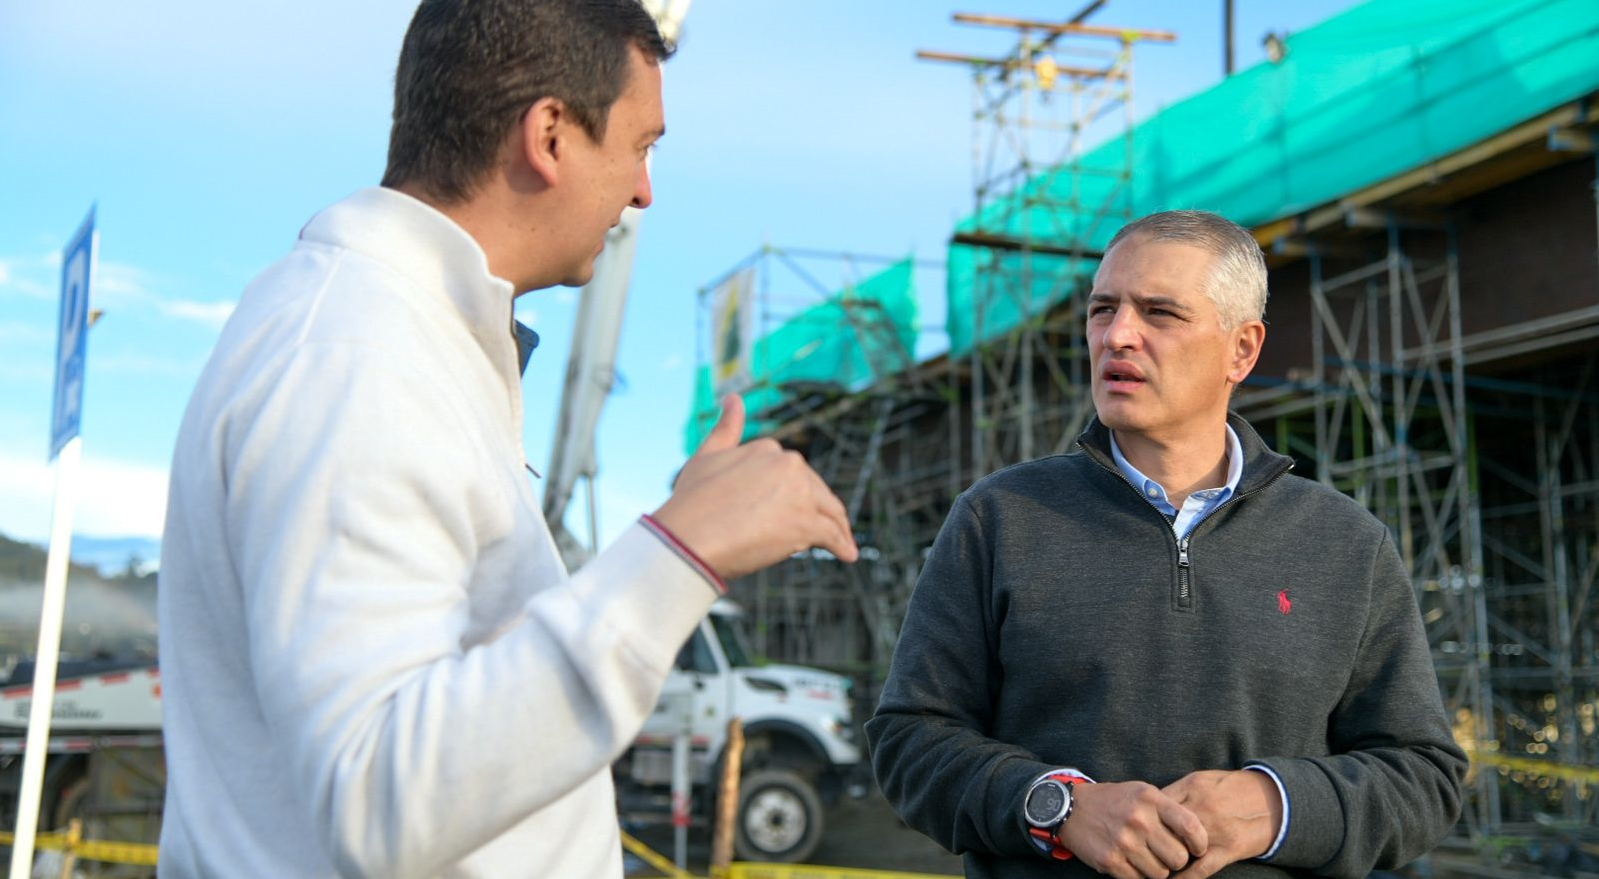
<point>66,446</point>
<point>44,673</point>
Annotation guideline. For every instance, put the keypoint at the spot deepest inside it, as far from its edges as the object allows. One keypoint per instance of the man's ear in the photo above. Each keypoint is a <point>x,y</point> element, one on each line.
<point>1246,342</point>
<point>544,127</point>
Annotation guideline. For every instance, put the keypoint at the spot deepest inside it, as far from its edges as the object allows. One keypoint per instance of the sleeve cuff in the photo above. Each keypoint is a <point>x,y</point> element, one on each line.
<point>1282,793</point>
<point>683,552</point>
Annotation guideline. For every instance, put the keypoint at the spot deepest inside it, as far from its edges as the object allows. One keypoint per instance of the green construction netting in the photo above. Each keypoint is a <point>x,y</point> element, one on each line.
<point>860,334</point>
<point>1374,92</point>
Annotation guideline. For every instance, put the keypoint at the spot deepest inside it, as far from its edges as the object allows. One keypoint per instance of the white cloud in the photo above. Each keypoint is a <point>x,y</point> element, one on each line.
<point>122,284</point>
<point>19,275</point>
<point>119,284</point>
<point>145,364</point>
<point>18,333</point>
<point>114,498</point>
<point>28,373</point>
<point>211,314</point>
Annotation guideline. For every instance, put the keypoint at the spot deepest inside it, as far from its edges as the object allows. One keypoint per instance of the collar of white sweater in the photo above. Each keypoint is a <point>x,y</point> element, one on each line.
<point>427,248</point>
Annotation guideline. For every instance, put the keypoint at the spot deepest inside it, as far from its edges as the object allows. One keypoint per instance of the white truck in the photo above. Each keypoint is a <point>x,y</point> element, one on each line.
<point>104,764</point>
<point>800,751</point>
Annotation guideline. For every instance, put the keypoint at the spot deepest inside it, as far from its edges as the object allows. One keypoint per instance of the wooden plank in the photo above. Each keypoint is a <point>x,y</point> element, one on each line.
<point>1126,34</point>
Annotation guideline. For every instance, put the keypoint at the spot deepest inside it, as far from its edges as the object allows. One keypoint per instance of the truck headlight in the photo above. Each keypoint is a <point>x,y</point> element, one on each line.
<point>842,729</point>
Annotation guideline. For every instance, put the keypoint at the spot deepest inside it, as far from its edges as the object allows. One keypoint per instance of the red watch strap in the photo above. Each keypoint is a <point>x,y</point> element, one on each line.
<point>1056,851</point>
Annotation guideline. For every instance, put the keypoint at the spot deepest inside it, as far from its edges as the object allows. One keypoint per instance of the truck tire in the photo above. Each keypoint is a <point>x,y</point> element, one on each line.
<point>68,802</point>
<point>779,817</point>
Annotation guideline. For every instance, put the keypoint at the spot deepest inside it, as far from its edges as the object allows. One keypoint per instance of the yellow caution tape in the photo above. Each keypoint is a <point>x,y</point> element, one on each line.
<point>1541,768</point>
<point>654,859</point>
<point>743,870</point>
<point>135,853</point>
<point>144,855</point>
<point>40,840</point>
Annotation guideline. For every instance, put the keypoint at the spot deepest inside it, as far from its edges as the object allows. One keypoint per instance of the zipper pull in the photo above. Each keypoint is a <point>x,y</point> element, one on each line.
<point>1182,553</point>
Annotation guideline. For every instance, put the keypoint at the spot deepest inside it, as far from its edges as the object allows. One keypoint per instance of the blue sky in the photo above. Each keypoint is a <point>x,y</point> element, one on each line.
<point>208,133</point>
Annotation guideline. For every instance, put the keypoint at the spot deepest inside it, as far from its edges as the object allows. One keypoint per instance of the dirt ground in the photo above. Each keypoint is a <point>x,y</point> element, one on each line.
<point>861,832</point>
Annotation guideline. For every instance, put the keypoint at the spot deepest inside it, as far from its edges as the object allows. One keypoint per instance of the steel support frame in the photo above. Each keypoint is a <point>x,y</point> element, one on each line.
<point>1503,554</point>
<point>1025,394</point>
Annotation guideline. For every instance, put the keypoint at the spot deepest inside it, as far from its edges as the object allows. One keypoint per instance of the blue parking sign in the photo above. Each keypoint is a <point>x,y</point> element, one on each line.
<point>77,264</point>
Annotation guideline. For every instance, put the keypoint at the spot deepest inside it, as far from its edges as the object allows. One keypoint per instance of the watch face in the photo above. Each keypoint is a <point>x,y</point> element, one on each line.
<point>1045,802</point>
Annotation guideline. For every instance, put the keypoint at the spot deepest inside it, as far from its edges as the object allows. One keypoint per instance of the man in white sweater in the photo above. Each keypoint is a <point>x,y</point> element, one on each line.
<point>373,661</point>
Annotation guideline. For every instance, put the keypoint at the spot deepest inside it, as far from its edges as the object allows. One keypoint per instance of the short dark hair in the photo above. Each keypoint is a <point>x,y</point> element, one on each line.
<point>469,69</point>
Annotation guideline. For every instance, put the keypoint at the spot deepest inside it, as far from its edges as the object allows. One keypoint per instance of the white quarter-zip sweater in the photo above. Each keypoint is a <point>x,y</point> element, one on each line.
<point>373,660</point>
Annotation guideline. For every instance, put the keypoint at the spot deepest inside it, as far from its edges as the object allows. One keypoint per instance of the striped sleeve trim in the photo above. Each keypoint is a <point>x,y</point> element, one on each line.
<point>684,553</point>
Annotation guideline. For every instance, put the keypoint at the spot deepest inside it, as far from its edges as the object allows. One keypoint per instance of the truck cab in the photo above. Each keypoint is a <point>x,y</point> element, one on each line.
<point>800,740</point>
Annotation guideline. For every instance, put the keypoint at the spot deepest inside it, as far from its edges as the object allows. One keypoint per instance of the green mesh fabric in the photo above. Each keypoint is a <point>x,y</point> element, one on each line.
<point>853,338</point>
<point>1379,90</point>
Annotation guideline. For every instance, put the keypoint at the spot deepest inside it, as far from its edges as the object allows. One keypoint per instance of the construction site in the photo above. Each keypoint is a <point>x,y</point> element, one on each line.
<point>1426,191</point>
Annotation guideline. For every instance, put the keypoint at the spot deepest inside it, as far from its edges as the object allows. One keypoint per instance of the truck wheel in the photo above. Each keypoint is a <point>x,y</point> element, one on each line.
<point>779,817</point>
<point>69,802</point>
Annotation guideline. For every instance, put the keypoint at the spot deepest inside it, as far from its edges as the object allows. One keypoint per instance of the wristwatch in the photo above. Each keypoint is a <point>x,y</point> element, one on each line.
<point>1049,803</point>
<point>1046,808</point>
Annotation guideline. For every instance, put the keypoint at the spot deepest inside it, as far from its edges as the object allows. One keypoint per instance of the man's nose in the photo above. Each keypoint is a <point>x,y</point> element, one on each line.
<point>641,188</point>
<point>1123,331</point>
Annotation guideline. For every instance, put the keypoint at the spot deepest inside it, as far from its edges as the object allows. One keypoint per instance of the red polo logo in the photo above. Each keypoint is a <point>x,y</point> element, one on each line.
<point>1283,604</point>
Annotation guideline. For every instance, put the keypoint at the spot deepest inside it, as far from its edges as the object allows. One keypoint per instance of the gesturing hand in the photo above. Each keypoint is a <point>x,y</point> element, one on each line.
<point>1240,809</point>
<point>1131,830</point>
<point>744,507</point>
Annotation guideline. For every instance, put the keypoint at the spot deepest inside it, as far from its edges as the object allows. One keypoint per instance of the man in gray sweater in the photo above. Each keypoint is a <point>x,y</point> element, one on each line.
<point>1161,653</point>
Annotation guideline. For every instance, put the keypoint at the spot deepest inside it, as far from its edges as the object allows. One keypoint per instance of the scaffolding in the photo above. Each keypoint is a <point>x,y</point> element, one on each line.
<point>1479,450</point>
<point>841,384</point>
<point>1490,485</point>
<point>1028,246</point>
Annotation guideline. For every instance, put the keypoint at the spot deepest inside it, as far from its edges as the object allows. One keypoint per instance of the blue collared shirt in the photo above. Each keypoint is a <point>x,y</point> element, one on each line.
<point>1197,505</point>
<point>1195,508</point>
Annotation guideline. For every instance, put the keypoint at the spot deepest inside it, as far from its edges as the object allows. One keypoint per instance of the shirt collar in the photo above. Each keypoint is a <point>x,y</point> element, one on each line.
<point>1155,493</point>
<point>429,249</point>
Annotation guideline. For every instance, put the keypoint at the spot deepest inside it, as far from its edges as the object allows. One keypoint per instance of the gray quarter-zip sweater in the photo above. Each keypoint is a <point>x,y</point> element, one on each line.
<point>1056,624</point>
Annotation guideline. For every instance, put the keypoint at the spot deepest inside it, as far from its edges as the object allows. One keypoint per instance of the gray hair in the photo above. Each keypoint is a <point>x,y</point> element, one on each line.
<point>1236,284</point>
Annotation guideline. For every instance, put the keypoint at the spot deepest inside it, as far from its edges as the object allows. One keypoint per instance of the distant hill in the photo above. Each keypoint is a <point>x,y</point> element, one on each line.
<point>114,556</point>
<point>105,615</point>
<point>110,557</point>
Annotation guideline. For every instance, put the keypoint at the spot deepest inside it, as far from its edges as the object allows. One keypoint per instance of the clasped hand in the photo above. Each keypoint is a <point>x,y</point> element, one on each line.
<point>1189,829</point>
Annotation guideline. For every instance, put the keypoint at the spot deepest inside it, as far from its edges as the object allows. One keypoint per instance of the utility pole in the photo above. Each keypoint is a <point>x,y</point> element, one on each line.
<point>1227,37</point>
